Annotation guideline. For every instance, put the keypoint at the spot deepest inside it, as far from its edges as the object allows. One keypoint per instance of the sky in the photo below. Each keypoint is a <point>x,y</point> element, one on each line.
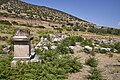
<point>99,12</point>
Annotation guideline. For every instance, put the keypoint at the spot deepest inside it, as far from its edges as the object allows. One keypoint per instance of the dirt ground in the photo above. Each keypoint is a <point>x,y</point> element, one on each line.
<point>109,66</point>
<point>3,43</point>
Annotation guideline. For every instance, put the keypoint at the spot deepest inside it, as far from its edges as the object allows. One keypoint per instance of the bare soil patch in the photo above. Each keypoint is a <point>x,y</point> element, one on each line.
<point>109,66</point>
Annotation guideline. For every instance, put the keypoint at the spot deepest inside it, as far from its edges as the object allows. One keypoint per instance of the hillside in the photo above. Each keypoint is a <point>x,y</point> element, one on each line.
<point>24,10</point>
<point>25,14</point>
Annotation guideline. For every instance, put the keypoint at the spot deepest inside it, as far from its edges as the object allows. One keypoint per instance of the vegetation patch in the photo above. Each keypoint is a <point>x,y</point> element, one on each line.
<point>117,47</point>
<point>70,41</point>
<point>91,61</point>
<point>54,65</point>
<point>39,27</point>
<point>8,29</point>
<point>104,31</point>
<point>95,74</point>
<point>5,22</point>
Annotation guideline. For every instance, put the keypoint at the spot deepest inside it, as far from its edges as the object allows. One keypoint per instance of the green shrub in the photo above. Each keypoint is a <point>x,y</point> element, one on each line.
<point>63,49</point>
<point>62,61</point>
<point>5,22</point>
<point>8,29</point>
<point>4,14</point>
<point>86,43</point>
<point>53,66</point>
<point>2,52</point>
<point>103,51</point>
<point>3,1</point>
<point>91,61</point>
<point>104,30</point>
<point>80,28</point>
<point>70,41</point>
<point>95,74</point>
<point>29,25</point>
<point>39,26</point>
<point>106,45</point>
<point>10,41</point>
<point>23,24</point>
<point>3,38</point>
<point>117,47</point>
<point>47,36</point>
<point>15,23</point>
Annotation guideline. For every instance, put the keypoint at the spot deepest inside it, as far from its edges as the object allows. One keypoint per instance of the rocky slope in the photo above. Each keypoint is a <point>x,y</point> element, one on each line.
<point>21,10</point>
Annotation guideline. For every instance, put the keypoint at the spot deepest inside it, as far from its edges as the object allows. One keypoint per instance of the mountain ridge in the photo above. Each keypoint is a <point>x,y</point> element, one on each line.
<point>24,14</point>
<point>20,9</point>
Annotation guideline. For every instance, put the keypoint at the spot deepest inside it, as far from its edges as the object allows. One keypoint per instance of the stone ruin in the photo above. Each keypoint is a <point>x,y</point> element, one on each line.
<point>22,47</point>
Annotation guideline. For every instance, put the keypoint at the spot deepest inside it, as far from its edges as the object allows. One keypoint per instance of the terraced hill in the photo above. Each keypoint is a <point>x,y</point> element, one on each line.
<point>22,10</point>
<point>25,14</point>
